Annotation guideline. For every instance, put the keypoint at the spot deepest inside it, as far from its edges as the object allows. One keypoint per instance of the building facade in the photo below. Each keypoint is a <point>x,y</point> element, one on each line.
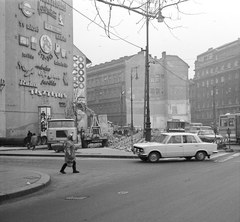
<point>36,60</point>
<point>109,89</point>
<point>215,87</point>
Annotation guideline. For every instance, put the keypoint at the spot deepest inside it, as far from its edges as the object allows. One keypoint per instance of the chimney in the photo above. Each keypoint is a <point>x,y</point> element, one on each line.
<point>164,54</point>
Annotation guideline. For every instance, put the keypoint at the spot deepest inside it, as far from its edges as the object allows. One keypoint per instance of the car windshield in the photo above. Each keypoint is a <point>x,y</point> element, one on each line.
<point>208,132</point>
<point>161,138</point>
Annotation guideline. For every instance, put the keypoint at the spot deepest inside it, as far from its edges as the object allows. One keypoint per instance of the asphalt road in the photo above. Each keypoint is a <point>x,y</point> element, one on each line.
<point>117,190</point>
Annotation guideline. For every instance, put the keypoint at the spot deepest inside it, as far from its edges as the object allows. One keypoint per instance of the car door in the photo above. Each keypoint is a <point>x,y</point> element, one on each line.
<point>174,146</point>
<point>190,145</point>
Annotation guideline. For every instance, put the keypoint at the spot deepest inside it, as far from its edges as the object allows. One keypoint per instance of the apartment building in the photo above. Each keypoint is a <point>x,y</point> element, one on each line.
<point>109,89</point>
<point>214,89</point>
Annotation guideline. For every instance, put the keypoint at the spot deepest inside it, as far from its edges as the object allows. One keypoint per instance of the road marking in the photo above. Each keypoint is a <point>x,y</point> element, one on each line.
<point>214,156</point>
<point>75,198</point>
<point>228,158</point>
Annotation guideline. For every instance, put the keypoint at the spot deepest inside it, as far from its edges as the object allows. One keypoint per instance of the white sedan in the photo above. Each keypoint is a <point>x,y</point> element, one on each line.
<point>167,145</point>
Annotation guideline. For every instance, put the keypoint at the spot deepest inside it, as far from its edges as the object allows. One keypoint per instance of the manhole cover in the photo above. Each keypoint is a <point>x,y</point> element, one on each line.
<point>75,198</point>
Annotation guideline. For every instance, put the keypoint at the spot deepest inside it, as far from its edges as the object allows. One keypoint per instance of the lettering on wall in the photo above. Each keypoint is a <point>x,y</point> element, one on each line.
<point>56,3</point>
<point>48,82</point>
<point>43,74</point>
<point>26,9</point>
<point>45,57</point>
<point>52,28</point>
<point>27,55</point>
<point>57,63</point>
<point>32,28</point>
<point>60,37</point>
<point>44,68</point>
<point>65,79</point>
<point>23,82</point>
<point>48,93</point>
<point>26,71</point>
<point>44,9</point>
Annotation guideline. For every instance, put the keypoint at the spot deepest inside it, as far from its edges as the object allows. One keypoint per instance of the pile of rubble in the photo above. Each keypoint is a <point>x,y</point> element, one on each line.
<point>121,142</point>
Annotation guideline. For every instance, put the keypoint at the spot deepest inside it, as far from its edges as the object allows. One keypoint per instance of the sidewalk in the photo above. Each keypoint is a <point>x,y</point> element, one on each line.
<point>16,183</point>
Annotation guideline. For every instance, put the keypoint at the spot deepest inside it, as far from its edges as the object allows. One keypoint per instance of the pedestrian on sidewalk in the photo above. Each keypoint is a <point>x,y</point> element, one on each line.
<point>70,157</point>
<point>29,136</point>
<point>34,141</point>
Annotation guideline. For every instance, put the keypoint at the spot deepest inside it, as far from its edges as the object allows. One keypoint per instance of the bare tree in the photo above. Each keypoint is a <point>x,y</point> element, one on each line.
<point>147,9</point>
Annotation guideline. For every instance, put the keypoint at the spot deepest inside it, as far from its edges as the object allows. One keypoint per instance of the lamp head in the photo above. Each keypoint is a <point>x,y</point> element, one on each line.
<point>160,17</point>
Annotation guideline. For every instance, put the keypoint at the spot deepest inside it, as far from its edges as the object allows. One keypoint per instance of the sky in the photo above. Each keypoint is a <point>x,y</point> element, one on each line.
<point>205,24</point>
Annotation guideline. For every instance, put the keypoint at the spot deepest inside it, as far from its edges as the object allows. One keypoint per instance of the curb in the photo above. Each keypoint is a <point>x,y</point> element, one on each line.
<point>19,192</point>
<point>78,155</point>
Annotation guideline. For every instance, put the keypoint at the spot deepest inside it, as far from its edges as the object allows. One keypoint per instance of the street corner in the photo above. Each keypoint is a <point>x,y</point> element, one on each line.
<point>18,183</point>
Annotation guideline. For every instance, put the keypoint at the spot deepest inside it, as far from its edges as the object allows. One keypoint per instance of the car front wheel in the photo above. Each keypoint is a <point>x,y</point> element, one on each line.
<point>153,157</point>
<point>144,159</point>
<point>200,156</point>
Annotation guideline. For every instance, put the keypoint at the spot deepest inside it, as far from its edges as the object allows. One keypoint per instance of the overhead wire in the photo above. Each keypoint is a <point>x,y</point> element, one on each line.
<point>101,26</point>
<point>123,40</point>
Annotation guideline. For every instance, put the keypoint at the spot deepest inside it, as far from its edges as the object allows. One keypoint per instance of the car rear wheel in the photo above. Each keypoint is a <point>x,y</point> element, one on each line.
<point>200,156</point>
<point>153,157</point>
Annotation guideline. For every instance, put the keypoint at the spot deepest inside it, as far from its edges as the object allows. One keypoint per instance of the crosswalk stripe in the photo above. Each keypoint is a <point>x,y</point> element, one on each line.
<point>228,158</point>
<point>214,156</point>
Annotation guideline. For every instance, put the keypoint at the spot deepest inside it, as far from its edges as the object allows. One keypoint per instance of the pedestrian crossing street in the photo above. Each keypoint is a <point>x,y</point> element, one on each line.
<point>223,157</point>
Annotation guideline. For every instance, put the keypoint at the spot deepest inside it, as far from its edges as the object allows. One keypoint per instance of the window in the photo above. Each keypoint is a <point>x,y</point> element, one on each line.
<point>152,79</point>
<point>152,92</point>
<point>231,122</point>
<point>223,122</point>
<point>120,77</point>
<point>175,139</point>
<point>157,78</point>
<point>189,139</point>
<point>222,79</point>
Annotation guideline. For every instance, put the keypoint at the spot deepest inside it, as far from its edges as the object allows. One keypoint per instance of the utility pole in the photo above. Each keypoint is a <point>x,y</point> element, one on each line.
<point>214,111</point>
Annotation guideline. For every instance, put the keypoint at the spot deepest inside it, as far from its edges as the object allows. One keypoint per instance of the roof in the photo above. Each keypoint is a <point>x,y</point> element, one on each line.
<point>177,133</point>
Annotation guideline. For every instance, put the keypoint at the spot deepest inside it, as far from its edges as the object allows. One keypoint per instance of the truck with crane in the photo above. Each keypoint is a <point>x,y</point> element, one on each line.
<point>97,129</point>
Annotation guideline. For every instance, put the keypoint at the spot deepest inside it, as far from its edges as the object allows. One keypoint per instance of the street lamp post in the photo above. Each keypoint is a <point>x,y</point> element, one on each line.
<point>121,97</point>
<point>136,77</point>
<point>147,122</point>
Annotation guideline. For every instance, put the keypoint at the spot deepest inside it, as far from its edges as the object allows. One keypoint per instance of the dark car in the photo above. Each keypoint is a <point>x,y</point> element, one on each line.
<point>209,136</point>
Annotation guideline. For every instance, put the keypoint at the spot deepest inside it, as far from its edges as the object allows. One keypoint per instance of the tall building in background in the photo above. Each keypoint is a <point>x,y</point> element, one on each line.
<point>109,89</point>
<point>215,87</point>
